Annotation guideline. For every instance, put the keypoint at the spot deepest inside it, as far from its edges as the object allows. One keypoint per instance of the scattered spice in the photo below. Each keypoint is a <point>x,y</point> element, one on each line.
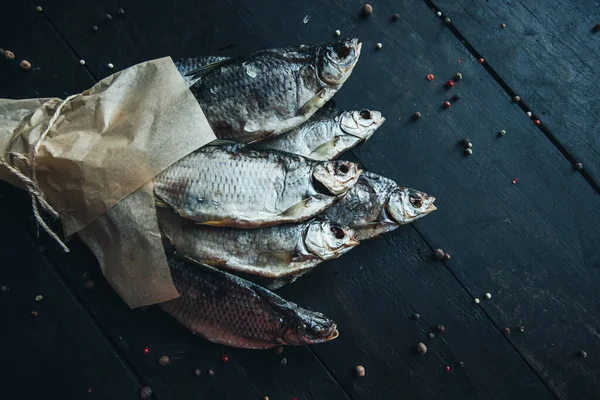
<point>82,62</point>
<point>211,373</point>
<point>481,61</point>
<point>502,132</point>
<point>521,328</point>
<point>446,104</point>
<point>360,371</point>
<point>416,115</point>
<point>4,289</point>
<point>283,361</point>
<point>266,398</point>
<point>458,76</point>
<point>9,54</point>
<point>447,20</point>
<point>537,122</point>
<point>447,256</point>
<point>39,8</point>
<point>461,364</point>
<point>502,26</point>
<point>39,297</point>
<point>488,296</point>
<point>416,316</point>
<point>395,17</point>
<point>378,46</point>
<point>337,32</point>
<point>476,300</point>
<point>146,351</point>
<point>468,151</point>
<point>225,358</point>
<point>121,11</point>
<point>447,369</point>
<point>278,350</point>
<point>163,360</point>
<point>439,13</point>
<point>583,354</point>
<point>85,276</point>
<point>421,348</point>
<point>517,99</point>
<point>439,254</point>
<point>450,84</point>
<point>431,336</point>
<point>596,28</point>
<point>529,114</point>
<point>34,314</point>
<point>440,328</point>
<point>146,392</point>
<point>506,331</point>
<point>197,372</point>
<point>469,145</point>
<point>94,28</point>
<point>578,166</point>
<point>110,66</point>
<point>514,181</point>
<point>89,285</point>
<point>108,17</point>
<point>430,77</point>
<point>456,97</point>
<point>367,9</point>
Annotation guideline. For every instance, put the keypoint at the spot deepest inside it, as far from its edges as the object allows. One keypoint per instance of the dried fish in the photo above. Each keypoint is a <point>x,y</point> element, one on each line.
<point>229,310</point>
<point>248,99</point>
<point>238,187</point>
<point>327,134</point>
<point>376,205</point>
<point>274,252</point>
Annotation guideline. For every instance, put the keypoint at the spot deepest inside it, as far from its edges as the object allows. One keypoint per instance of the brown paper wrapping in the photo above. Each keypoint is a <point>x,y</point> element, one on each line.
<point>95,165</point>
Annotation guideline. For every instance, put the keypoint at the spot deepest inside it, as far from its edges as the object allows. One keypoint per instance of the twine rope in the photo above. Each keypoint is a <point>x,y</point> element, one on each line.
<point>31,183</point>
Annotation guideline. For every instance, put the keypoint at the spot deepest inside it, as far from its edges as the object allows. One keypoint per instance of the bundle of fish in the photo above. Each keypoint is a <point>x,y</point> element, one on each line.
<point>267,199</point>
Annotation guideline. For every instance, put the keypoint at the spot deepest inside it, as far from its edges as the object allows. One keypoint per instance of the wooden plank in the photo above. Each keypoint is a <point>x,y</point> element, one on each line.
<point>59,352</point>
<point>147,30</point>
<point>532,244</point>
<point>548,54</point>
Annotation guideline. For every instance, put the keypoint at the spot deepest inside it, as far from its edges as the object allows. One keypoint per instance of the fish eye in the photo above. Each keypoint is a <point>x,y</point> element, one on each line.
<point>344,169</point>
<point>366,114</point>
<point>337,232</point>
<point>415,200</point>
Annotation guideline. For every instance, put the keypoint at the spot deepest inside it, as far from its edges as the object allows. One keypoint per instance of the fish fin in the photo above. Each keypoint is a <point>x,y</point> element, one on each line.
<point>205,69</point>
<point>308,207</point>
<point>221,142</point>
<point>311,106</point>
<point>280,282</point>
<point>216,262</point>
<point>324,151</point>
<point>214,223</point>
<point>159,203</point>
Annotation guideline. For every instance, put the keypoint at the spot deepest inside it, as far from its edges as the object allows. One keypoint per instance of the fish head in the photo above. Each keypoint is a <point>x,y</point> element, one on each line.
<point>406,205</point>
<point>328,240</point>
<point>310,327</point>
<point>361,124</point>
<point>336,60</point>
<point>337,176</point>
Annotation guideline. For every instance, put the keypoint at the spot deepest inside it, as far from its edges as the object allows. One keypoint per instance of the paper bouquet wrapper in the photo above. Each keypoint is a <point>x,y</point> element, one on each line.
<point>96,163</point>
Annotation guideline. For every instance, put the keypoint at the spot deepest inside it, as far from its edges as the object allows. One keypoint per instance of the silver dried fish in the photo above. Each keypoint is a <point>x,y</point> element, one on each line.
<point>248,99</point>
<point>274,252</point>
<point>328,133</point>
<point>239,187</point>
<point>376,205</point>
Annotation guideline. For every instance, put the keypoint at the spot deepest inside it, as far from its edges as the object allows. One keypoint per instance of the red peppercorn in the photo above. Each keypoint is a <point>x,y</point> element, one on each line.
<point>146,351</point>
<point>225,358</point>
<point>537,122</point>
<point>502,25</point>
<point>481,61</point>
<point>430,77</point>
<point>450,83</point>
<point>596,28</point>
<point>446,104</point>
<point>514,181</point>
<point>447,369</point>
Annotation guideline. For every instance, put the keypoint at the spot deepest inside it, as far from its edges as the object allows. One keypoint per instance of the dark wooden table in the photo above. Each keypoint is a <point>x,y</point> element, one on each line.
<point>518,219</point>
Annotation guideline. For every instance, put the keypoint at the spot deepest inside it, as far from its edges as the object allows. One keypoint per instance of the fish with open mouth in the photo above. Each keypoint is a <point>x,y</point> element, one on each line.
<point>280,251</point>
<point>376,205</point>
<point>231,311</point>
<point>248,99</point>
<point>327,134</point>
<point>235,186</point>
